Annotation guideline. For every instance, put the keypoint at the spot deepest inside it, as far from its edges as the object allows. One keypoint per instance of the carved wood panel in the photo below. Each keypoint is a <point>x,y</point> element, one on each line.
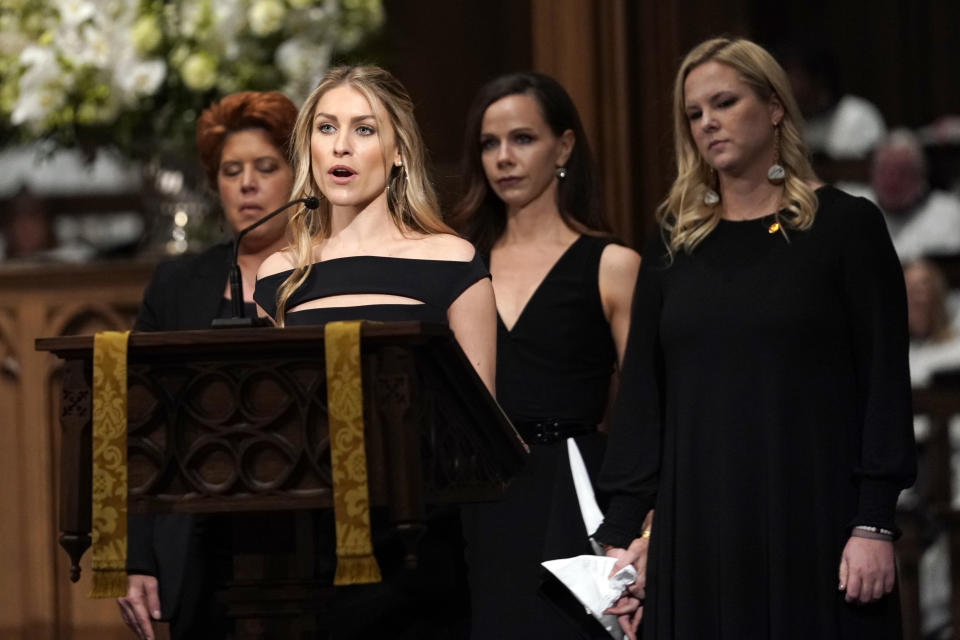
<point>44,300</point>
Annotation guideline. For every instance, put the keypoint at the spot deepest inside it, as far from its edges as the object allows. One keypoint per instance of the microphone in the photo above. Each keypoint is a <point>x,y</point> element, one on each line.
<point>238,318</point>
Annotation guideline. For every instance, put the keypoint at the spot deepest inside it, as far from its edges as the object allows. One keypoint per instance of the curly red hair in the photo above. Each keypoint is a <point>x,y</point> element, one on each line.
<point>270,111</point>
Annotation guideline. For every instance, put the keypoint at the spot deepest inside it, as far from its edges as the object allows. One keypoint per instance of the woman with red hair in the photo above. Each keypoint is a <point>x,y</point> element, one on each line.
<point>243,145</point>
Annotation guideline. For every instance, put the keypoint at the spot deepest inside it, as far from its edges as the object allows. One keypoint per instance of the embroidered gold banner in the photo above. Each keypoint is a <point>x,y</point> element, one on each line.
<point>109,518</point>
<point>348,457</point>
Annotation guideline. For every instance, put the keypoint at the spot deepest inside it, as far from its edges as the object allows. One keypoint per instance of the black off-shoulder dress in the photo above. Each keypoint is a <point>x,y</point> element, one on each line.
<point>435,284</point>
<point>431,602</point>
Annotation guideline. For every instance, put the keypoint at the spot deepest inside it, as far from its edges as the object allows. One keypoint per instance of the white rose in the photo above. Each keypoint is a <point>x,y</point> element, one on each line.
<point>289,57</point>
<point>199,71</point>
<point>227,18</point>
<point>266,17</point>
<point>41,63</point>
<point>119,11</point>
<point>140,78</point>
<point>193,16</point>
<point>97,50</point>
<point>302,61</point>
<point>145,35</point>
<point>35,103</point>
<point>68,41</point>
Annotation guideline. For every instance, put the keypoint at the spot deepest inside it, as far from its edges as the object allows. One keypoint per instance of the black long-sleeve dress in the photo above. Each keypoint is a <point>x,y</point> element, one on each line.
<point>764,410</point>
<point>179,549</point>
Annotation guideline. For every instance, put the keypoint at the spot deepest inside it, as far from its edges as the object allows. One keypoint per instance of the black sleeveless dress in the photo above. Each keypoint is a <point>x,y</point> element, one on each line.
<point>430,603</point>
<point>553,377</point>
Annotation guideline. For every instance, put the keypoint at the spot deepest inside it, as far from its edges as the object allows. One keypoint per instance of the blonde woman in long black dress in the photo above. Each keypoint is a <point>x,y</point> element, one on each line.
<point>765,400</point>
<point>765,410</point>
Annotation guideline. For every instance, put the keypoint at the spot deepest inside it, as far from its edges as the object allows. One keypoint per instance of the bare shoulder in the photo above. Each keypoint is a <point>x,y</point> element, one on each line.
<point>276,263</point>
<point>618,262</point>
<point>441,246</point>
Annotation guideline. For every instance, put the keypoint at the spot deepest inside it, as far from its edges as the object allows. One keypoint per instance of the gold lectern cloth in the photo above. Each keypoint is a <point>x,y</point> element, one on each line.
<point>348,457</point>
<point>109,500</point>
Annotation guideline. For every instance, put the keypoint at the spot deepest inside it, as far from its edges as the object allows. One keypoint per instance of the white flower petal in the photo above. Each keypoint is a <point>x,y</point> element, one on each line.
<point>143,78</point>
<point>75,12</point>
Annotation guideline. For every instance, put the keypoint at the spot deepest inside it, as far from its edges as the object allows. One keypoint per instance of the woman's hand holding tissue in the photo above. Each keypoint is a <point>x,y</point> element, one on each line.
<point>629,608</point>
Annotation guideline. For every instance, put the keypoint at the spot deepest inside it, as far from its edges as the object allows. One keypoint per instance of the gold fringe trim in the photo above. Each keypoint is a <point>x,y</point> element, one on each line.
<point>357,571</point>
<point>109,584</point>
<point>348,457</point>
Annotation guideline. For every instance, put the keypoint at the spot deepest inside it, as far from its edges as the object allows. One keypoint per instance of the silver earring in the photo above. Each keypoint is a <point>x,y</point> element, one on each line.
<point>776,174</point>
<point>710,196</point>
<point>561,172</point>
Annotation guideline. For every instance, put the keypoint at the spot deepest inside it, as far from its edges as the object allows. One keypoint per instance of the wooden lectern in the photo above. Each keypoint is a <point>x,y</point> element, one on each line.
<point>234,421</point>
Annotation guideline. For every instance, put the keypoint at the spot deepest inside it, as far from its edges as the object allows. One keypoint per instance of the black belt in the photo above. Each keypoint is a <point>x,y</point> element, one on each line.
<point>551,431</point>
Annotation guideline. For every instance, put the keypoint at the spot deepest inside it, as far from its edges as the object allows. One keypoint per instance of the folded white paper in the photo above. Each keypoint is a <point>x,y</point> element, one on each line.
<point>586,578</point>
<point>592,516</point>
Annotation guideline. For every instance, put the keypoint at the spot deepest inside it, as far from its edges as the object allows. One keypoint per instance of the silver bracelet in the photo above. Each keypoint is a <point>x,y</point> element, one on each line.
<point>874,533</point>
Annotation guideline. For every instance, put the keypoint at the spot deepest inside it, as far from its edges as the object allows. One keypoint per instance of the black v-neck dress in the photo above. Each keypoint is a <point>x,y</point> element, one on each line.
<point>553,367</point>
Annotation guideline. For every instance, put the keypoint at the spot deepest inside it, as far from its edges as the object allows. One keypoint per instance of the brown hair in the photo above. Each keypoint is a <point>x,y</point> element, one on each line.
<point>270,111</point>
<point>480,215</point>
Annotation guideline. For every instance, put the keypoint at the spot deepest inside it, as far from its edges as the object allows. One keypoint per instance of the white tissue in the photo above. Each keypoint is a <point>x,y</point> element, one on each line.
<point>586,578</point>
<point>592,516</point>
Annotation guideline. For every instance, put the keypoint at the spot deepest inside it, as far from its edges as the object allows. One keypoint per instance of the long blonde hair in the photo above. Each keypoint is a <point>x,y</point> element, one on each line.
<point>684,218</point>
<point>411,199</point>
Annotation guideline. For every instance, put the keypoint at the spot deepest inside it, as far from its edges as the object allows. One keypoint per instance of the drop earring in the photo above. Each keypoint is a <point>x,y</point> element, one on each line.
<point>776,174</point>
<point>710,196</point>
<point>398,165</point>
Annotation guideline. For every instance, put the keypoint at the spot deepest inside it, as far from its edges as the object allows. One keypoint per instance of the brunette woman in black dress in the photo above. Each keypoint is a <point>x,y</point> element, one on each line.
<point>563,288</point>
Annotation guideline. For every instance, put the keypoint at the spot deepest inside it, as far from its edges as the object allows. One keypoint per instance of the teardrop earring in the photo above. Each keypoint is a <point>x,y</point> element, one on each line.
<point>710,196</point>
<point>776,174</point>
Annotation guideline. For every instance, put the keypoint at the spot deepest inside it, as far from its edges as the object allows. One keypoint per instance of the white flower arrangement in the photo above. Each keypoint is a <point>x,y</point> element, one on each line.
<point>134,72</point>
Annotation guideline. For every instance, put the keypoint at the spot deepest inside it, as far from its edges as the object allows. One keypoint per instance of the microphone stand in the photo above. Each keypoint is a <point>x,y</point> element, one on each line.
<point>238,316</point>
